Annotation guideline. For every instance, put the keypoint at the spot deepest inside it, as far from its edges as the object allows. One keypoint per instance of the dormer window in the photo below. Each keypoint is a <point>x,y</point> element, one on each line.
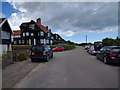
<point>48,34</point>
<point>32,26</point>
<point>41,33</point>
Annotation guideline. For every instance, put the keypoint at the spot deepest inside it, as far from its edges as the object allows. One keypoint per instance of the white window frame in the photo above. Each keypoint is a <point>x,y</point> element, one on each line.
<point>32,26</point>
<point>23,41</point>
<point>19,41</point>
<point>41,33</point>
<point>31,34</point>
<point>27,33</point>
<point>23,34</point>
<point>47,41</point>
<point>42,41</point>
<point>51,42</point>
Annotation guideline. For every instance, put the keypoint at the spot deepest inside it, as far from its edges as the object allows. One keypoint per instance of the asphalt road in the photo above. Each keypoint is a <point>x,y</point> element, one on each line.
<point>71,69</point>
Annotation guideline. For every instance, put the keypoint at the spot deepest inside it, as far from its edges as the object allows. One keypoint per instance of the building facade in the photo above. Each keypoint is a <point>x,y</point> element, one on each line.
<point>5,36</point>
<point>34,33</point>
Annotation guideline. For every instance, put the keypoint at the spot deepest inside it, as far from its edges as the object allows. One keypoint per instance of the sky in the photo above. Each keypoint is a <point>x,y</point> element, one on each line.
<point>71,20</point>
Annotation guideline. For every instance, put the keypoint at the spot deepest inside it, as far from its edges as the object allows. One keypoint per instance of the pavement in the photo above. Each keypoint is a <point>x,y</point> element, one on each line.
<point>13,73</point>
<point>71,69</point>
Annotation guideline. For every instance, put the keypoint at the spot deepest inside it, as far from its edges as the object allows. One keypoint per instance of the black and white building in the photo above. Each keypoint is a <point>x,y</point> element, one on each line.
<point>33,33</point>
<point>5,36</point>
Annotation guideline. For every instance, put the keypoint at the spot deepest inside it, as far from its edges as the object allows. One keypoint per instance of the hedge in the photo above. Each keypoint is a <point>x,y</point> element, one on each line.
<point>66,46</point>
<point>21,47</point>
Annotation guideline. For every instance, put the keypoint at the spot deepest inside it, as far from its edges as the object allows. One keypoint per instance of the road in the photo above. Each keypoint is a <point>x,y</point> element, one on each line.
<point>71,69</point>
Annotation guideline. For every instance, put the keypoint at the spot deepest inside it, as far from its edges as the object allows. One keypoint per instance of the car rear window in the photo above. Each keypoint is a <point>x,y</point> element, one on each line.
<point>116,49</point>
<point>37,49</point>
<point>59,47</point>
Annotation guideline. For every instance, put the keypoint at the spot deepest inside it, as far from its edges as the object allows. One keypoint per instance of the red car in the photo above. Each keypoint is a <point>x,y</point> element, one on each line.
<point>58,49</point>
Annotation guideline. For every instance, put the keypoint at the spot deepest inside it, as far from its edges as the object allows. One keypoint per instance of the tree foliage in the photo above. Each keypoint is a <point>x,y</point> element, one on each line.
<point>111,42</point>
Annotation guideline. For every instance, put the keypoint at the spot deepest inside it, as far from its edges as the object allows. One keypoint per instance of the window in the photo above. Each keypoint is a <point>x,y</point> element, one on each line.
<point>48,34</point>
<point>52,37</point>
<point>31,34</point>
<point>23,34</point>
<point>32,26</point>
<point>42,41</point>
<point>5,35</point>
<point>41,33</point>
<point>23,41</point>
<point>51,42</point>
<point>27,33</point>
<point>15,42</point>
<point>47,41</point>
<point>19,41</point>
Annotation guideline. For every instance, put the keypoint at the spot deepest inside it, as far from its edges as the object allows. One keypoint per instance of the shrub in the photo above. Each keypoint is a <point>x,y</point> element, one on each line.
<point>22,56</point>
<point>21,47</point>
<point>5,56</point>
<point>66,46</point>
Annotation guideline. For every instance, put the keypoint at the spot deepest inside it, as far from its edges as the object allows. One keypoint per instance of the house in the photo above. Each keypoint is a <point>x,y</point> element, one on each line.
<point>15,34</point>
<point>33,33</point>
<point>5,40</point>
<point>57,39</point>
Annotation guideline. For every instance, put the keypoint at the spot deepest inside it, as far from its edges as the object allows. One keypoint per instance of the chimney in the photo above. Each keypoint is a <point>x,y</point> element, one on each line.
<point>47,27</point>
<point>39,21</point>
<point>49,30</point>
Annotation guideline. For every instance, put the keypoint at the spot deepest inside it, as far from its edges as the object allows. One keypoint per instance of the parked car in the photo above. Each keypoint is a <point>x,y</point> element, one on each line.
<point>86,47</point>
<point>39,52</point>
<point>59,48</point>
<point>92,50</point>
<point>109,54</point>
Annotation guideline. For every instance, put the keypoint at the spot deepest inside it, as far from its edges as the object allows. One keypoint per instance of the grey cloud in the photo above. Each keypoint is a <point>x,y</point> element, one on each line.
<point>73,16</point>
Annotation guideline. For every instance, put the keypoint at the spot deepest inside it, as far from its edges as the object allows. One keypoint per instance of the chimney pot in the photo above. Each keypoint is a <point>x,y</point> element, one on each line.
<point>47,27</point>
<point>39,21</point>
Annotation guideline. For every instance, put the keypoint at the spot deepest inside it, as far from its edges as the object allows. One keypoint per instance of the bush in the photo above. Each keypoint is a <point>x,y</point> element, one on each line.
<point>66,46</point>
<point>5,56</point>
<point>22,56</point>
<point>21,47</point>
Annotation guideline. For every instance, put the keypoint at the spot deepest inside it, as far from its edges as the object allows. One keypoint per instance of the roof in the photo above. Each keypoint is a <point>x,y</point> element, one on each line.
<point>40,26</point>
<point>16,32</point>
<point>2,21</point>
<point>5,25</point>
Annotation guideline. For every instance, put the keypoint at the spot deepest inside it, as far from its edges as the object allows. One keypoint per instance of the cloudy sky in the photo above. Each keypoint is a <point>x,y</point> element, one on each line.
<point>72,20</point>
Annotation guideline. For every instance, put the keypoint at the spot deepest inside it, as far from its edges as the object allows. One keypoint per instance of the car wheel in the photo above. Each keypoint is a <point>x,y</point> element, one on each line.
<point>52,56</point>
<point>33,60</point>
<point>97,56</point>
<point>47,58</point>
<point>105,60</point>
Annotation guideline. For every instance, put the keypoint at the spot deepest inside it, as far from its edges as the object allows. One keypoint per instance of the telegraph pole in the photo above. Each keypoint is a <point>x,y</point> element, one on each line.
<point>86,38</point>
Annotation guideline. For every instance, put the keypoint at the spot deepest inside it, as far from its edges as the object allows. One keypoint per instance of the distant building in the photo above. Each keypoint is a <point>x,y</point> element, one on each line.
<point>5,36</point>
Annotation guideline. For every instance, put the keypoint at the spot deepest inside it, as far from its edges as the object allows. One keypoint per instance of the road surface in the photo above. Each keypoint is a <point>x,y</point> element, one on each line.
<point>71,69</point>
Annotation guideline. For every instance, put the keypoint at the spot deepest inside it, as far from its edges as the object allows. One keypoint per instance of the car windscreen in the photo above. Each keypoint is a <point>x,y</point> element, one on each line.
<point>116,49</point>
<point>37,49</point>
